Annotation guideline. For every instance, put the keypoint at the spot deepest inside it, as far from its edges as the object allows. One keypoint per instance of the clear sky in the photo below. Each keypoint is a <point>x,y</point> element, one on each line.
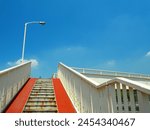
<point>101,34</point>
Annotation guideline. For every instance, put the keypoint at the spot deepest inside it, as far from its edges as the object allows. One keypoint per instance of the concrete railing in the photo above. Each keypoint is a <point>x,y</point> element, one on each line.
<point>11,81</point>
<point>54,75</point>
<point>110,73</point>
<point>117,95</point>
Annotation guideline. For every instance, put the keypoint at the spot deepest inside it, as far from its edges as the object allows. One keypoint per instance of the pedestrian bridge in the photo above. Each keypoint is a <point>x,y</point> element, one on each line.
<point>73,90</point>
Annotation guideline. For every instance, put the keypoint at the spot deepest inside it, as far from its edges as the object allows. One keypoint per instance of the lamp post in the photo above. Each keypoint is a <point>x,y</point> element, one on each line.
<point>24,38</point>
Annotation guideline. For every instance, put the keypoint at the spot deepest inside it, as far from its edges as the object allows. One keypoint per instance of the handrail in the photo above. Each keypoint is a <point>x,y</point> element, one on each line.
<point>14,67</point>
<point>111,73</point>
<point>54,75</point>
<point>141,86</point>
<point>80,75</point>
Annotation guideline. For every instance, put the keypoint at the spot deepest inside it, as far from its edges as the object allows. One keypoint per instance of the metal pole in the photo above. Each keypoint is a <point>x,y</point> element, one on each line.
<point>24,40</point>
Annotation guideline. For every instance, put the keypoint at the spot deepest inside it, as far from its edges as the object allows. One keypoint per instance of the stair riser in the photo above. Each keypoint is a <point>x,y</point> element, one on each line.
<point>46,95</point>
<point>41,103</point>
<point>41,108</point>
<point>41,100</point>
<point>42,91</point>
<point>43,83</point>
<point>43,87</point>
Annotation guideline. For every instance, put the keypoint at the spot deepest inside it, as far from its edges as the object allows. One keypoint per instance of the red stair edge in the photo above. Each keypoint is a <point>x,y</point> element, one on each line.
<point>17,105</point>
<point>63,101</point>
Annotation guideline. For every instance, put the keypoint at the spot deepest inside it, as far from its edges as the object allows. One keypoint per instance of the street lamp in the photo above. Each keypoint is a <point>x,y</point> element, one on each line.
<point>24,38</point>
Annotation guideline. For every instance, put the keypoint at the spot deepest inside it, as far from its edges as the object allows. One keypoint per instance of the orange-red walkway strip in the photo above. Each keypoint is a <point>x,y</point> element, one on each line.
<point>63,101</point>
<point>19,102</point>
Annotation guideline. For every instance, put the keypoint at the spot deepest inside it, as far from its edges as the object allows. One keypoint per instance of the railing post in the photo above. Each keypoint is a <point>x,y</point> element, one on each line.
<point>113,102</point>
<point>140,101</point>
<point>132,100</point>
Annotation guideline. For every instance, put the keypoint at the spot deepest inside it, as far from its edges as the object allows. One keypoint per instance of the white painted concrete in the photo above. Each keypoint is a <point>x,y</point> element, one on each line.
<point>11,81</point>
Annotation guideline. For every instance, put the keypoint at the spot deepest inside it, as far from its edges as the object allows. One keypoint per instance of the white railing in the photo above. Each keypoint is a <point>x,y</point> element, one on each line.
<point>117,95</point>
<point>11,81</point>
<point>54,75</point>
<point>110,73</point>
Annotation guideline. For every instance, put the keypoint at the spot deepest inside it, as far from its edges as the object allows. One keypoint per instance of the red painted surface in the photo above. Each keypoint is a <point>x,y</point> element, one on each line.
<point>19,102</point>
<point>63,101</point>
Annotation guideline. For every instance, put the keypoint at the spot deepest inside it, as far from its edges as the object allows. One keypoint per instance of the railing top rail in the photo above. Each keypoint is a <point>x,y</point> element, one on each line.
<point>17,66</point>
<point>136,85</point>
<point>110,73</point>
<point>80,75</point>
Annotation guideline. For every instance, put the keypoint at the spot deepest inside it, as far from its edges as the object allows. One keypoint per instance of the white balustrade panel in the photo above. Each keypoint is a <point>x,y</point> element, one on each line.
<point>11,81</point>
<point>85,96</point>
<point>125,99</point>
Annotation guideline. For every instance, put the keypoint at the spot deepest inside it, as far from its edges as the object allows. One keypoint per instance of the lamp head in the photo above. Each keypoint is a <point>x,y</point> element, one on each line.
<point>42,22</point>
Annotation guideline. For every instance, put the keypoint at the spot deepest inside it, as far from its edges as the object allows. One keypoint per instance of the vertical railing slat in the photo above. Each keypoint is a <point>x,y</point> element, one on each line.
<point>113,101</point>
<point>146,103</point>
<point>81,100</point>
<point>125,100</point>
<point>108,107</point>
<point>100,101</point>
<point>140,101</point>
<point>91,99</point>
<point>104,100</point>
<point>119,97</point>
<point>132,100</point>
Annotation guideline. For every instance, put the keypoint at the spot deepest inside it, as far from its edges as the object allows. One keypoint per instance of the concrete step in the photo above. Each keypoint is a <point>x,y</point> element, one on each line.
<point>43,88</point>
<point>40,109</point>
<point>43,91</point>
<point>52,103</point>
<point>46,86</point>
<point>42,94</point>
<point>31,111</point>
<point>41,100</point>
<point>44,81</point>
<point>41,97</point>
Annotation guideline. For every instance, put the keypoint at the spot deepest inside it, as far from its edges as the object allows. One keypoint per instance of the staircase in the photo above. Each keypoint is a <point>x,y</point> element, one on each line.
<point>42,98</point>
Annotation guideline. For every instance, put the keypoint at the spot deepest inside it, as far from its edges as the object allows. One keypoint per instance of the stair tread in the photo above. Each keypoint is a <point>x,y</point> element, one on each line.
<point>41,100</point>
<point>42,88</point>
<point>44,96</point>
<point>30,101</point>
<point>30,105</point>
<point>40,111</point>
<point>37,94</point>
<point>42,93</point>
<point>40,107</point>
<point>36,110</point>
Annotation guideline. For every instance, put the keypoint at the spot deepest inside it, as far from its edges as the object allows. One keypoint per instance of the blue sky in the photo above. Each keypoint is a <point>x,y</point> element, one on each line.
<point>101,34</point>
